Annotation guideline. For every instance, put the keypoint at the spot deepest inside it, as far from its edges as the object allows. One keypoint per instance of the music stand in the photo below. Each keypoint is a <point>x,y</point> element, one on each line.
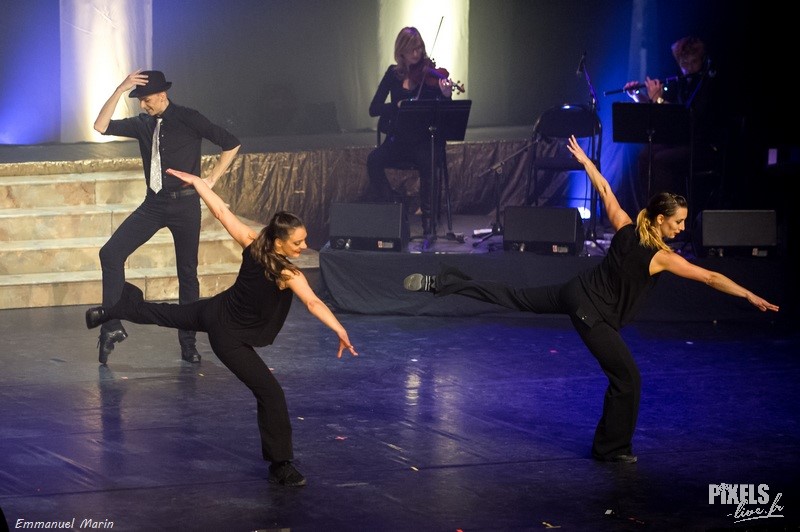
<point>441,120</point>
<point>653,123</point>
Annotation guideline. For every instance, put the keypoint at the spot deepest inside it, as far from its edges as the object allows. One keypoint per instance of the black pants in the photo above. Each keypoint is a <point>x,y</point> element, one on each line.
<point>182,217</point>
<point>390,154</point>
<point>205,315</point>
<point>614,432</point>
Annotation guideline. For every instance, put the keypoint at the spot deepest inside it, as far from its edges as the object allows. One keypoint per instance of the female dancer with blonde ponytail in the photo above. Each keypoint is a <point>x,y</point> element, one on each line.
<point>601,300</point>
<point>249,313</point>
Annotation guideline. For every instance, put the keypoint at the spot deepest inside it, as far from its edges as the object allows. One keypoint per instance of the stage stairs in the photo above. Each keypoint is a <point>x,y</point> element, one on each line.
<point>53,226</point>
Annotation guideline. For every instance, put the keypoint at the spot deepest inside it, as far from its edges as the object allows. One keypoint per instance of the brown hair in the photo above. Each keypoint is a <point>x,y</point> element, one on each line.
<point>262,249</point>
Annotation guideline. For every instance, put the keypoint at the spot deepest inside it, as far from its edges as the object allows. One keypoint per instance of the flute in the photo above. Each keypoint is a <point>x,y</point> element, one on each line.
<point>641,86</point>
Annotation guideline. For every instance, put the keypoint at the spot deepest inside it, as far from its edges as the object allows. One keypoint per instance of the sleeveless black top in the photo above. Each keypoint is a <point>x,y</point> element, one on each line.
<point>254,308</point>
<point>618,286</point>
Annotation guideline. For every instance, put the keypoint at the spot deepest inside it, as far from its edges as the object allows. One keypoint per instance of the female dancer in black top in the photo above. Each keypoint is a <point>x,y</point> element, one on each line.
<point>249,313</point>
<point>602,299</point>
<point>409,79</point>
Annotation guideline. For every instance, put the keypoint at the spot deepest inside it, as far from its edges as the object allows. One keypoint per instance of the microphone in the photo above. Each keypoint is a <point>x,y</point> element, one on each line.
<point>581,65</point>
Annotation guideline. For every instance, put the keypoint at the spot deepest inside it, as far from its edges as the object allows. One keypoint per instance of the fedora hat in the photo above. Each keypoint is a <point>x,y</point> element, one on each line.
<point>156,82</point>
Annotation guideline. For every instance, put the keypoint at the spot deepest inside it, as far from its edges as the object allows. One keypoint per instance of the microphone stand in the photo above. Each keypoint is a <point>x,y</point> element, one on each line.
<point>593,199</point>
<point>497,169</point>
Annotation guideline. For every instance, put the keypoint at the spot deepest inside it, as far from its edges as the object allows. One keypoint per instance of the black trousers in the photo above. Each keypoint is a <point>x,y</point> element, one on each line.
<point>392,153</point>
<point>182,217</point>
<point>205,315</point>
<point>614,433</point>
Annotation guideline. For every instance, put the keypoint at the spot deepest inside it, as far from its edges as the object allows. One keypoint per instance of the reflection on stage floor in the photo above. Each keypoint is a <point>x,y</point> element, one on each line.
<point>441,423</point>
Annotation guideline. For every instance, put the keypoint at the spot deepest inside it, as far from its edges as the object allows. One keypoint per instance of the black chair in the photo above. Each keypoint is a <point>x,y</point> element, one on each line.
<point>550,154</point>
<point>711,162</point>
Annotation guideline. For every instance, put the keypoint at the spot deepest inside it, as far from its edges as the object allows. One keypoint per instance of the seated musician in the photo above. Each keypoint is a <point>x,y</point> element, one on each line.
<point>412,77</point>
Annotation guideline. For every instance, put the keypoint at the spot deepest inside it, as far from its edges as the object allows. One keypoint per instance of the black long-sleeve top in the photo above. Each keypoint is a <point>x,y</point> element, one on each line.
<point>698,92</point>
<point>391,86</point>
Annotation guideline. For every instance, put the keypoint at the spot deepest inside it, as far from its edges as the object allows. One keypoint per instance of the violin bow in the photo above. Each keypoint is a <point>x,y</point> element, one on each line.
<point>424,73</point>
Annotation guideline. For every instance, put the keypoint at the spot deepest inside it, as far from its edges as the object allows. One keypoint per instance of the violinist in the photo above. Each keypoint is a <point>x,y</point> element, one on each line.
<point>693,88</point>
<point>414,76</point>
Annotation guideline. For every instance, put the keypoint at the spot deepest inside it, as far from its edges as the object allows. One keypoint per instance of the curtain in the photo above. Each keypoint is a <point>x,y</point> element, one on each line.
<point>102,41</point>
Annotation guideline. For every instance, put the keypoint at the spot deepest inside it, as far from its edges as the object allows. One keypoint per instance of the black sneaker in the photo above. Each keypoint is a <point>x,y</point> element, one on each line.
<point>417,282</point>
<point>285,474</point>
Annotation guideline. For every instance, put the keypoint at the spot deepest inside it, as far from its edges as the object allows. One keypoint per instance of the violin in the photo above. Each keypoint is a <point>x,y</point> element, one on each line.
<point>426,72</point>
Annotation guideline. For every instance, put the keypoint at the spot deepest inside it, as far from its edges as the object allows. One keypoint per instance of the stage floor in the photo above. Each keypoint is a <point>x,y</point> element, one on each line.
<point>481,421</point>
<point>441,424</point>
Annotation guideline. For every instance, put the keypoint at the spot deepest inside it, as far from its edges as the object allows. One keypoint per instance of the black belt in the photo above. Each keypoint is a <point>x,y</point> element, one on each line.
<point>181,193</point>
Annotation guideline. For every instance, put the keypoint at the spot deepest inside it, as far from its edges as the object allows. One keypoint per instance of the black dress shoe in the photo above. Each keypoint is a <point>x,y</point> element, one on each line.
<point>190,354</point>
<point>106,342</point>
<point>625,458</point>
<point>285,474</point>
<point>96,316</point>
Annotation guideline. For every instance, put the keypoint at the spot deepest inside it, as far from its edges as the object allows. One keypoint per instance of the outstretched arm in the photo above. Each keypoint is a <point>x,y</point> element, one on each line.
<point>299,285</point>
<point>618,217</point>
<point>676,264</point>
<point>240,231</point>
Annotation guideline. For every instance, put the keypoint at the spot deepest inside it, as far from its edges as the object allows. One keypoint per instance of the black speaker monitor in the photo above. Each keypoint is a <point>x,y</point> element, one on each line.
<point>741,232</point>
<point>368,227</point>
<point>543,230</point>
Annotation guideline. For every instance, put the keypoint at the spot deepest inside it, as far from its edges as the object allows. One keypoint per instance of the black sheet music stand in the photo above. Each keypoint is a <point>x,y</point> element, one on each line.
<point>653,123</point>
<point>440,120</point>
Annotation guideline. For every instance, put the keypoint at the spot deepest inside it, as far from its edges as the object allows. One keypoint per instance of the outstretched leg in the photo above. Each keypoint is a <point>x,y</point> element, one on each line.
<point>451,280</point>
<point>132,307</point>
<point>614,433</point>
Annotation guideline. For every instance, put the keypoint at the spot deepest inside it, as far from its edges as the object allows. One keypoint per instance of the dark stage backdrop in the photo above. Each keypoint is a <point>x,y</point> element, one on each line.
<point>264,64</point>
<point>292,67</point>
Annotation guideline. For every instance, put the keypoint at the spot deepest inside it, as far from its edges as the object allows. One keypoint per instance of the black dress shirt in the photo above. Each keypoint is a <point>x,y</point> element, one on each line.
<point>182,132</point>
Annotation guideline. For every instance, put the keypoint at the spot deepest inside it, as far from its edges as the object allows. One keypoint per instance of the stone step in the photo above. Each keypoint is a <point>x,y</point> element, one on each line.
<point>96,188</point>
<point>81,254</point>
<point>53,226</point>
<point>74,221</point>
<point>85,287</point>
